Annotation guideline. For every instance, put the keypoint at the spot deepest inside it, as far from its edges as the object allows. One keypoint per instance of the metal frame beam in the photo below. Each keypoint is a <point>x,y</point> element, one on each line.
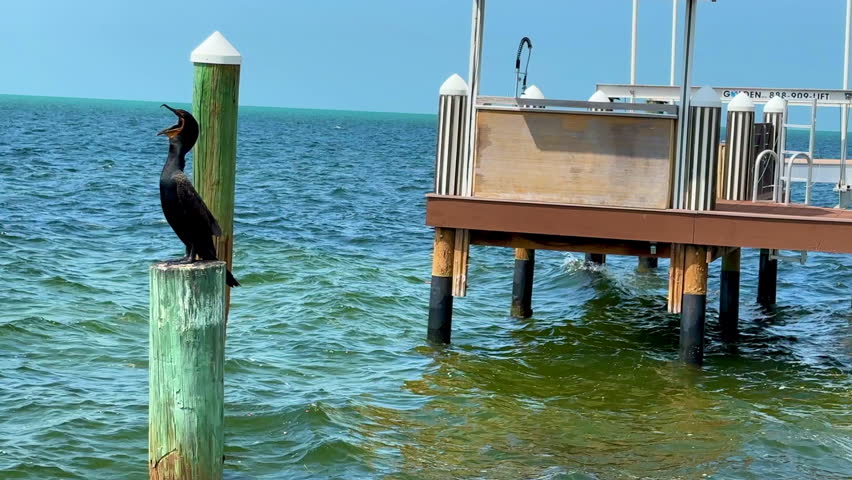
<point>685,91</point>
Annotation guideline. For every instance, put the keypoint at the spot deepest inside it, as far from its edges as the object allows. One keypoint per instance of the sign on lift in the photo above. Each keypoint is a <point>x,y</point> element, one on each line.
<point>798,96</point>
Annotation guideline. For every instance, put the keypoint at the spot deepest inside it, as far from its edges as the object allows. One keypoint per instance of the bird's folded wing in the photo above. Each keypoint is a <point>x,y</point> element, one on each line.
<point>194,206</point>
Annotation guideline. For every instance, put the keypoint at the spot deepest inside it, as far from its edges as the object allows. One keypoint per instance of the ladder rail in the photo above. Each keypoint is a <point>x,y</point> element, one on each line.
<point>790,177</point>
<point>775,185</point>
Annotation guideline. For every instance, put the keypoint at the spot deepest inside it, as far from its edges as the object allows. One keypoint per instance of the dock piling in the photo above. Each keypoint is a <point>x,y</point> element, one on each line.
<point>735,183</point>
<point>186,363</point>
<point>695,185</point>
<point>215,95</point>
<point>767,279</point>
<point>600,97</point>
<point>646,264</point>
<point>452,170</point>
<point>441,295</point>
<point>729,295</point>
<point>773,113</point>
<point>738,165</point>
<point>596,258</point>
<point>522,283</point>
<point>694,182</point>
<point>694,305</point>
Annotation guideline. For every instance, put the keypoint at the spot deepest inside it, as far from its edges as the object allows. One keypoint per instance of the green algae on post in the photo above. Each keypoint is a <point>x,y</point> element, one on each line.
<point>215,96</point>
<point>186,363</point>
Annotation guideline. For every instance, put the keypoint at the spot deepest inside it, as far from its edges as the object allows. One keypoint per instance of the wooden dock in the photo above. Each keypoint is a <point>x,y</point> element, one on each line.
<point>618,179</point>
<point>633,231</point>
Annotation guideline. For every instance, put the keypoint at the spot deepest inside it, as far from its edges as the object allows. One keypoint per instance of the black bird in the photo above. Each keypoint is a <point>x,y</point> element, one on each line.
<point>184,209</point>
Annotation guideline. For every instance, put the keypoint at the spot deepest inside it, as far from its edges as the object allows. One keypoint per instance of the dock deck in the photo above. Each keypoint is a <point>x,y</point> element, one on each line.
<point>631,231</point>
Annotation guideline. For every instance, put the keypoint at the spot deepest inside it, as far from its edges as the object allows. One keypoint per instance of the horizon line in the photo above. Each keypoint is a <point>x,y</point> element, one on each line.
<point>190,103</point>
<point>270,106</point>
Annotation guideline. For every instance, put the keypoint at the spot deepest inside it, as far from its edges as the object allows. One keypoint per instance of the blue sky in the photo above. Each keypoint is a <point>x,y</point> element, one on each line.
<point>391,55</point>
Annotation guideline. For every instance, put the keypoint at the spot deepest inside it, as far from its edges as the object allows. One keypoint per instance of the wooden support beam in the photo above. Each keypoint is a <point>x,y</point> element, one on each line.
<point>714,253</point>
<point>694,305</point>
<point>440,297</point>
<point>186,365</point>
<point>676,278</point>
<point>461,255</point>
<point>568,244</point>
<point>649,225</point>
<point>522,283</point>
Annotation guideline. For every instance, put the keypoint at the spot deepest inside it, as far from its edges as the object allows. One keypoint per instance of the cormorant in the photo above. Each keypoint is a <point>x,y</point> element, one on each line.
<point>184,209</point>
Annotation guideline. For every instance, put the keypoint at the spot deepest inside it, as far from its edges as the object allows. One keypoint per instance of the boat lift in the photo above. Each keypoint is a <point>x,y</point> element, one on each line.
<point>532,173</point>
<point>813,98</point>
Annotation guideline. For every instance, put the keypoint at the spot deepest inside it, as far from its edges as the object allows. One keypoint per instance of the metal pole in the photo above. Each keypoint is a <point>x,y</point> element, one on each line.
<point>674,42</point>
<point>685,90</point>
<point>633,42</point>
<point>844,115</point>
<point>473,79</point>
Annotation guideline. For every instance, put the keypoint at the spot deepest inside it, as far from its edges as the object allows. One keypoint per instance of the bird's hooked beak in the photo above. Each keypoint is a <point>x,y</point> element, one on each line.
<point>174,130</point>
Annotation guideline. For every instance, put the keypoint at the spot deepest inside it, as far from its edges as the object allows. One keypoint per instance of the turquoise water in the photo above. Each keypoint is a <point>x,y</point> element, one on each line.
<point>327,371</point>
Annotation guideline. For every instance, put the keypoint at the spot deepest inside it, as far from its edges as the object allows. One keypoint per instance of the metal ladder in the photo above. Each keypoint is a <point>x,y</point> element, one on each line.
<point>802,256</point>
<point>811,143</point>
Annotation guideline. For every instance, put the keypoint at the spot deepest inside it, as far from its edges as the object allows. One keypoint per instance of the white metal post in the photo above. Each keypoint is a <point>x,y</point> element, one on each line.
<point>685,90</point>
<point>674,42</point>
<point>633,42</point>
<point>476,27</point>
<point>844,109</point>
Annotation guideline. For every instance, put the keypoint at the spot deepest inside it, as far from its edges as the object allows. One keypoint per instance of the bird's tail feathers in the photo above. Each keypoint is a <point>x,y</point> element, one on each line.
<point>230,280</point>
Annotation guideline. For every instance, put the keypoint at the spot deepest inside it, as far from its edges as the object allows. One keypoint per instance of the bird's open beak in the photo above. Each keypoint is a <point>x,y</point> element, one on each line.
<point>174,130</point>
<point>170,132</point>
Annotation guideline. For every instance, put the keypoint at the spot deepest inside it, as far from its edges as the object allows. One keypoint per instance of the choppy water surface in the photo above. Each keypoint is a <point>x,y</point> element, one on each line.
<point>328,374</point>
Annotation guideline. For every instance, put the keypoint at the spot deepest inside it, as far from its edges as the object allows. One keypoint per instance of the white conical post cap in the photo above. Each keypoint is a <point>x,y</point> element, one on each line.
<point>533,92</point>
<point>705,97</point>
<point>217,50</point>
<point>741,103</point>
<point>455,85</point>
<point>599,96</point>
<point>775,105</point>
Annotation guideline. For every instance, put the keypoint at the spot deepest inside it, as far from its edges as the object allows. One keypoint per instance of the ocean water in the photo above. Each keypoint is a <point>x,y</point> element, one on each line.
<point>328,374</point>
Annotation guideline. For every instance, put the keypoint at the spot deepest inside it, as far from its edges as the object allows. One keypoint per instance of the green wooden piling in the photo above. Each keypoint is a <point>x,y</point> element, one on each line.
<point>215,96</point>
<point>186,364</point>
